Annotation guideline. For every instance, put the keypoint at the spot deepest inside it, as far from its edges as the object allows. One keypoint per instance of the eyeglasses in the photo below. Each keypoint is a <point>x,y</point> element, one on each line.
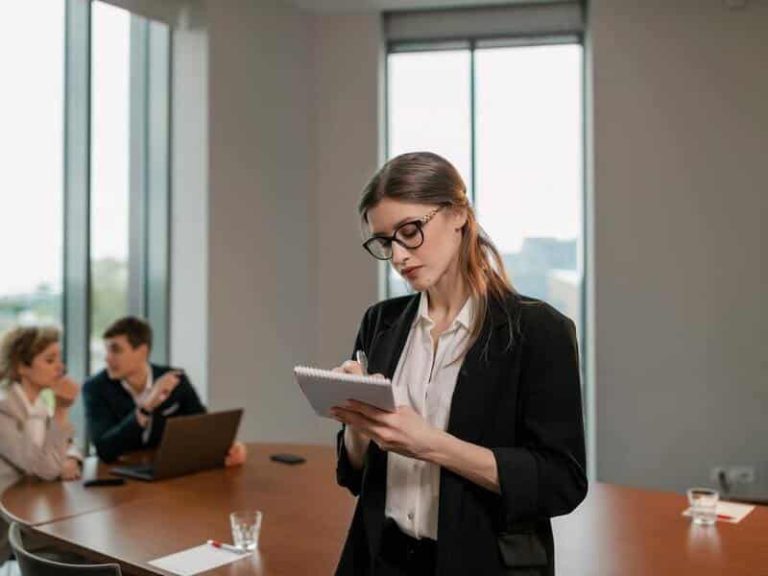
<point>409,235</point>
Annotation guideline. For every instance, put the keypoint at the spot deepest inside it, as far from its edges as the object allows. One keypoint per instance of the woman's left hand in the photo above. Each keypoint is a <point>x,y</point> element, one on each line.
<point>70,470</point>
<point>403,431</point>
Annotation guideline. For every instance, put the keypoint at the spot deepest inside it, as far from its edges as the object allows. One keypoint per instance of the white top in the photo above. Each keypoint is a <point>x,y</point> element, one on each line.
<point>36,423</point>
<point>425,379</point>
<point>140,397</point>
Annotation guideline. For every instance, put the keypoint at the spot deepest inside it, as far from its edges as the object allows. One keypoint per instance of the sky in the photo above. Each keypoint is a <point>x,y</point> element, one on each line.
<point>31,140</point>
<point>528,132</point>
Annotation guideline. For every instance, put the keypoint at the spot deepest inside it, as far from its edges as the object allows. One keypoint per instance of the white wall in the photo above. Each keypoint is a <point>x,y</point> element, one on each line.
<point>275,133</point>
<point>347,105</point>
<point>680,139</point>
<point>292,140</point>
<point>261,273</point>
<point>189,206</point>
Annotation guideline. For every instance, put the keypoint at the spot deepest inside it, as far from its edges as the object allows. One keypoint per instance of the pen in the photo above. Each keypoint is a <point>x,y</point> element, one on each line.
<point>362,359</point>
<point>724,517</point>
<point>235,549</point>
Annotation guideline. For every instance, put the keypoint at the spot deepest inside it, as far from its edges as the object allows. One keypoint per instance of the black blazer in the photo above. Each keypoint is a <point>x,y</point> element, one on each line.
<point>111,413</point>
<point>518,393</point>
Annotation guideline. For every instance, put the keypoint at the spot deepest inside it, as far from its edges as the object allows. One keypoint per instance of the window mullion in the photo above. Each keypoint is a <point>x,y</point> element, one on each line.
<point>157,195</point>
<point>472,125</point>
<point>137,168</point>
<point>77,277</point>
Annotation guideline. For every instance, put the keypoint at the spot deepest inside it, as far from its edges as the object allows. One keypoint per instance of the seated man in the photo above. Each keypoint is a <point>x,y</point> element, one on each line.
<point>126,404</point>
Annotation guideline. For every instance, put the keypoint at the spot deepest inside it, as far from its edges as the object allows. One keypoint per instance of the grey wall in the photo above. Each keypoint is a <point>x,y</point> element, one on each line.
<point>680,137</point>
<point>347,106</point>
<point>189,206</point>
<point>292,139</point>
<point>275,133</point>
<point>261,274</point>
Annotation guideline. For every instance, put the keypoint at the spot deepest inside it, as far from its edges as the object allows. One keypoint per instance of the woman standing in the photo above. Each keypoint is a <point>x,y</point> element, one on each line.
<point>487,443</point>
<point>34,440</point>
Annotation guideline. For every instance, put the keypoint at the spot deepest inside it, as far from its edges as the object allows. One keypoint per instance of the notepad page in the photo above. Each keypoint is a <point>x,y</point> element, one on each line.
<point>325,389</point>
<point>345,376</point>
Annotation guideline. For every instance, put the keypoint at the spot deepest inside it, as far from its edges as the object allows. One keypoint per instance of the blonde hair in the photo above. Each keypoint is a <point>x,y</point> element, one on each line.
<point>20,345</point>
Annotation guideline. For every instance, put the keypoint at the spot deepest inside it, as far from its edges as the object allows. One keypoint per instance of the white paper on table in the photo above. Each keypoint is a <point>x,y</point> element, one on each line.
<point>731,512</point>
<point>197,559</point>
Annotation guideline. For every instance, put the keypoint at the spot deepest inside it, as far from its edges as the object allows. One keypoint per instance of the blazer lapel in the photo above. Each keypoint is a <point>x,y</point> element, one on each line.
<point>388,343</point>
<point>477,376</point>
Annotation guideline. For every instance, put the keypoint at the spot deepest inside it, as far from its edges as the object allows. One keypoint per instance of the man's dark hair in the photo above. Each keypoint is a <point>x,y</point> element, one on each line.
<point>136,330</point>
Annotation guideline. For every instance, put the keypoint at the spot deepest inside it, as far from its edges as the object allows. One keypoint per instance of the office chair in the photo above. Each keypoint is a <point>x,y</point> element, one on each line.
<point>33,565</point>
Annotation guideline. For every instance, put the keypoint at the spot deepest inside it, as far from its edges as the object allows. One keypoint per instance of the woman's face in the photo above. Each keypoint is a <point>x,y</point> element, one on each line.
<point>425,266</point>
<point>45,369</point>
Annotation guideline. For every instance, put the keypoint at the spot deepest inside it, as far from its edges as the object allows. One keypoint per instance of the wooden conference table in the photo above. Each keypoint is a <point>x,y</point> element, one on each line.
<point>616,531</point>
<point>306,515</point>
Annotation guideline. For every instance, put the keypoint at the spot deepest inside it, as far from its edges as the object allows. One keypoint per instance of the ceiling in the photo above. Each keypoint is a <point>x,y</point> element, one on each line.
<point>339,6</point>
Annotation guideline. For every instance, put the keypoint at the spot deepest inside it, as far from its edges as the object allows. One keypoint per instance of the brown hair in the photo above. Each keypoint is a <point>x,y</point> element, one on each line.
<point>136,330</point>
<point>425,177</point>
<point>20,345</point>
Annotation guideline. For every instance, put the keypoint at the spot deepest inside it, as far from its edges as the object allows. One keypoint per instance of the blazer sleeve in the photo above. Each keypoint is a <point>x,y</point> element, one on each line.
<point>346,474</point>
<point>545,474</point>
<point>189,400</point>
<point>111,435</point>
<point>42,461</point>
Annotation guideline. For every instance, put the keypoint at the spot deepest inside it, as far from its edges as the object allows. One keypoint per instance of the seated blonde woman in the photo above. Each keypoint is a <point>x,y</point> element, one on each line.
<point>35,438</point>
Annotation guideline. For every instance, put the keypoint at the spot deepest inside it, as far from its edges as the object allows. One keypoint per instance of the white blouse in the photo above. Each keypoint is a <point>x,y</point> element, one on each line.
<point>425,379</point>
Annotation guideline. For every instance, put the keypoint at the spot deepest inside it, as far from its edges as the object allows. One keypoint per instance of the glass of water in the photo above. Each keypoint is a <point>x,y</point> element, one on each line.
<point>703,503</point>
<point>246,525</point>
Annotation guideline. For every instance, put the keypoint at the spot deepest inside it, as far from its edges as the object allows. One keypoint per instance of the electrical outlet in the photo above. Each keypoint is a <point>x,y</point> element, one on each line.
<point>716,473</point>
<point>733,474</point>
<point>741,474</point>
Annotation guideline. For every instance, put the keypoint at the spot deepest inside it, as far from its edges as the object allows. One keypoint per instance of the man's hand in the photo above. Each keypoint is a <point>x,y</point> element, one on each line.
<point>236,455</point>
<point>70,470</point>
<point>162,389</point>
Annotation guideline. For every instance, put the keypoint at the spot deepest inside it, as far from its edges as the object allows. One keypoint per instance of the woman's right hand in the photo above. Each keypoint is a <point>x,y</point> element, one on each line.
<point>355,441</point>
<point>352,367</point>
<point>65,389</point>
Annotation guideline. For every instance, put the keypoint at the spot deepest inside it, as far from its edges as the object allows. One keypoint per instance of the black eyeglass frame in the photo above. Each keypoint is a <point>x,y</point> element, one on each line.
<point>419,223</point>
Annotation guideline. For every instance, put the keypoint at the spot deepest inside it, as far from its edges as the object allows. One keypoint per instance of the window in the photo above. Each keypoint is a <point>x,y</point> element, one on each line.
<point>110,139</point>
<point>528,188</point>
<point>129,174</point>
<point>85,180</point>
<point>429,109</point>
<point>31,146</point>
<point>510,119</point>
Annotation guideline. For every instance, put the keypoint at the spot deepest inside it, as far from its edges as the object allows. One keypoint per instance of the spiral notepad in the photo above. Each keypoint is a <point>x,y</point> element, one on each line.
<point>325,389</point>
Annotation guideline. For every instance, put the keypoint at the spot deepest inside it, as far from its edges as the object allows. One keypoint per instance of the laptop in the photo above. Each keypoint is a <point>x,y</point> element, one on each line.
<point>189,444</point>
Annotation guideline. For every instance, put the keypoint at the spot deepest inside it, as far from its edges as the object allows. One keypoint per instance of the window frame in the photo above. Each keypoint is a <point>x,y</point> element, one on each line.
<point>473,43</point>
<point>149,186</point>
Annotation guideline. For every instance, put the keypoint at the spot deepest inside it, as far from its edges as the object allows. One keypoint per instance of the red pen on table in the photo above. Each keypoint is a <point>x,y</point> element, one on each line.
<point>223,546</point>
<point>724,517</point>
